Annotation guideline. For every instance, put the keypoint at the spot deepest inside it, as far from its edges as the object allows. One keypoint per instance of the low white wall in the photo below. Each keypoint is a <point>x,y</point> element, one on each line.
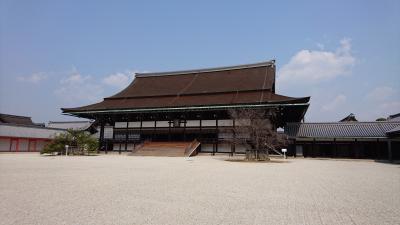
<point>208,123</point>
<point>192,123</point>
<point>4,145</point>
<point>162,124</point>
<point>40,145</point>
<point>148,123</point>
<point>135,124</point>
<point>120,124</point>
<point>23,145</point>
<point>225,123</point>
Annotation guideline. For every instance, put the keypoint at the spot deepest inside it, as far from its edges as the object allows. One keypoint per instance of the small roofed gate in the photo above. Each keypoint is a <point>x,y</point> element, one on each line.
<point>188,105</point>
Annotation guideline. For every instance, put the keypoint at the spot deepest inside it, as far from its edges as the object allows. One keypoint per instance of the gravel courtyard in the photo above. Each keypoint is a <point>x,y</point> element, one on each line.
<point>120,189</point>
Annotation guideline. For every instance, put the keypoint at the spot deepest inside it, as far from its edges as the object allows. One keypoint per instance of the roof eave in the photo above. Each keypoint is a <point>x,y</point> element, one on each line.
<point>185,108</point>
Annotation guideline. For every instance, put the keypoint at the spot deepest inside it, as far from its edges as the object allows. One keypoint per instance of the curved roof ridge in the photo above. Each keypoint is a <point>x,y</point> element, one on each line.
<point>204,70</point>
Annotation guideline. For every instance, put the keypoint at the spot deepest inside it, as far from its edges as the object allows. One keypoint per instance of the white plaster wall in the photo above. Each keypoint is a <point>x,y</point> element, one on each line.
<point>119,125</point>
<point>208,123</point>
<point>40,145</point>
<point>4,145</point>
<point>134,124</point>
<point>13,145</point>
<point>108,132</point>
<point>225,123</point>
<point>23,145</point>
<point>192,123</point>
<point>148,124</point>
<point>162,124</point>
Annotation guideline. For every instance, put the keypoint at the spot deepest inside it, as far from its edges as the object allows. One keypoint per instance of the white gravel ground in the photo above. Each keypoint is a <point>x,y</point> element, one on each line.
<point>114,189</point>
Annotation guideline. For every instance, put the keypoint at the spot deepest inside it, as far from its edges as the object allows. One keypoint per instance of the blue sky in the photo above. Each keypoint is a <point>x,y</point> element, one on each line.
<point>344,54</point>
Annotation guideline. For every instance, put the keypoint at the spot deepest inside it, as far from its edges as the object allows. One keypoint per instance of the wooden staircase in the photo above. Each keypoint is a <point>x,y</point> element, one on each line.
<point>171,149</point>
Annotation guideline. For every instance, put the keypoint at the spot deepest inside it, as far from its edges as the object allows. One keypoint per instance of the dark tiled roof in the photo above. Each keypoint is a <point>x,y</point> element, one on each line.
<point>394,132</point>
<point>14,119</point>
<point>395,117</point>
<point>246,79</point>
<point>192,100</point>
<point>350,118</point>
<point>340,129</point>
<point>244,84</point>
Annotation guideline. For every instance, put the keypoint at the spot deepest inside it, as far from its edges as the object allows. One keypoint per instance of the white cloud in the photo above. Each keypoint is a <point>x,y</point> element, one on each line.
<point>335,103</point>
<point>34,78</point>
<point>119,80</point>
<point>75,78</point>
<point>392,107</point>
<point>377,110</point>
<point>381,102</point>
<point>380,93</point>
<point>85,89</point>
<point>78,88</point>
<point>308,66</point>
<point>320,46</point>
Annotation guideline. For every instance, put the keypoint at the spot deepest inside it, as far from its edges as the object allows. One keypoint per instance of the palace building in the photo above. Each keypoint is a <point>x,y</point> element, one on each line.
<point>182,106</point>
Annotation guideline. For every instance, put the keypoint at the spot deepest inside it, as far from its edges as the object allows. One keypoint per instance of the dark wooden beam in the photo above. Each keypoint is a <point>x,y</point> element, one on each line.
<point>389,144</point>
<point>101,137</point>
<point>126,135</point>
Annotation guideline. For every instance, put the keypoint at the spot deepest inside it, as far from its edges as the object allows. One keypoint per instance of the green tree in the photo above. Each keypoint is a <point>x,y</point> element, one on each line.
<point>79,142</point>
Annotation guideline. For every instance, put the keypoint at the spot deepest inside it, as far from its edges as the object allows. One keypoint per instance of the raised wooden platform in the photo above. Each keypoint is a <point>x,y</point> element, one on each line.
<point>171,149</point>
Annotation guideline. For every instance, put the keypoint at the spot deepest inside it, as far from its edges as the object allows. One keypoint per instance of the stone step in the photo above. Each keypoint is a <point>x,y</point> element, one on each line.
<point>174,149</point>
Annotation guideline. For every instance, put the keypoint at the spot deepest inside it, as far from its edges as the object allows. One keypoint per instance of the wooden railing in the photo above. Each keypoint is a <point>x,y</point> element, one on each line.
<point>137,147</point>
<point>191,150</point>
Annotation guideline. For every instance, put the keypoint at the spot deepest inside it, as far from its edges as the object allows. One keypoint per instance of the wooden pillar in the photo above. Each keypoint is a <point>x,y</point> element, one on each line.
<point>378,148</point>
<point>200,133</point>
<point>213,151</point>
<point>200,121</point>
<point>17,146</point>
<point>184,130</point>
<point>169,130</point>
<point>101,137</point>
<point>216,143</point>
<point>313,149</point>
<point>355,149</point>
<point>294,148</point>
<point>154,129</point>
<point>126,135</point>
<point>335,152</point>
<point>233,143</point>
<point>390,156</point>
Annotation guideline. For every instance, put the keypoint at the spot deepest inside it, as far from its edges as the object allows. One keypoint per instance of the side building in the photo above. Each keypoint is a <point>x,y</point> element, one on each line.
<point>188,105</point>
<point>20,134</point>
<point>372,140</point>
